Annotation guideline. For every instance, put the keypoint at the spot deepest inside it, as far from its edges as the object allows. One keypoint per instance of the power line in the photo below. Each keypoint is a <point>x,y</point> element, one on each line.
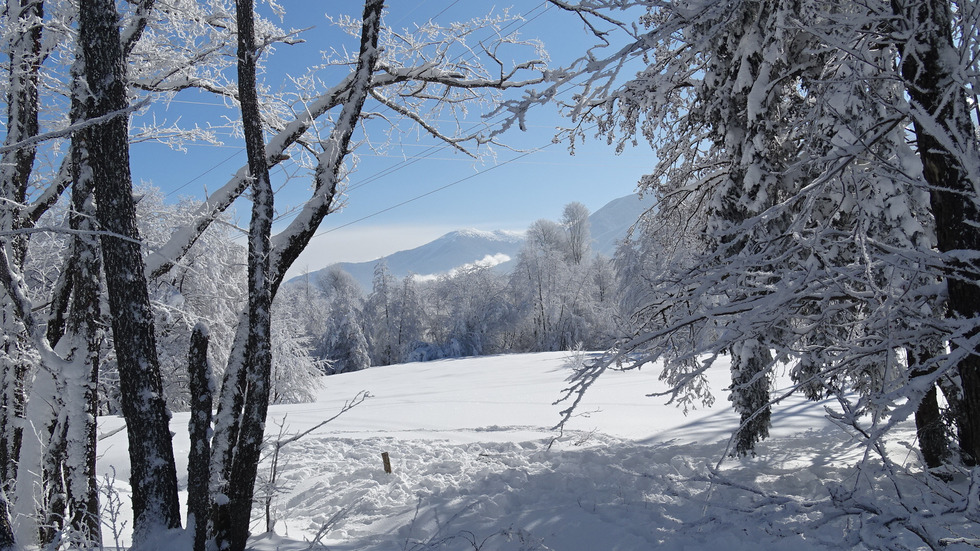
<point>430,192</point>
<point>205,173</point>
<point>444,10</point>
<point>431,150</point>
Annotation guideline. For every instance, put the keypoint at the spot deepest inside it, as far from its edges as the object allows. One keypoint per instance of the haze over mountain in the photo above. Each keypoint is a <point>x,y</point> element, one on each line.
<point>456,249</point>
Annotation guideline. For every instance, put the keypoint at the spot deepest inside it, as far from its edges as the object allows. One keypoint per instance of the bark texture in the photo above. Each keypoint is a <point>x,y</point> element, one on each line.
<point>947,145</point>
<point>930,430</point>
<point>240,424</point>
<point>231,517</point>
<point>154,477</point>
<point>202,390</point>
<point>85,334</point>
<point>16,167</point>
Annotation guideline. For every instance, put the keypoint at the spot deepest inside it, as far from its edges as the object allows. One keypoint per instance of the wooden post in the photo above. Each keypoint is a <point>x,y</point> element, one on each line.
<point>387,462</point>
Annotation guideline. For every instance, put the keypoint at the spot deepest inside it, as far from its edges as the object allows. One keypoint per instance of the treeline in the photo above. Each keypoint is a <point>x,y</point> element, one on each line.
<point>558,296</point>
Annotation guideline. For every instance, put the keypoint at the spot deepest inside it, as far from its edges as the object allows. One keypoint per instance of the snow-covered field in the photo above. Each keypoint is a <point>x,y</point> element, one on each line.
<point>472,468</point>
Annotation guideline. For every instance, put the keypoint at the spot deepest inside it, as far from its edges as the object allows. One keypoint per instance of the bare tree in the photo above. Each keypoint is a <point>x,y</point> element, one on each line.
<point>575,219</point>
<point>16,167</point>
<point>249,385</point>
<point>412,76</point>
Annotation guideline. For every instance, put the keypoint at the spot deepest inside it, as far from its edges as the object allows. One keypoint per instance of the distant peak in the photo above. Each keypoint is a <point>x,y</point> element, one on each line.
<point>497,235</point>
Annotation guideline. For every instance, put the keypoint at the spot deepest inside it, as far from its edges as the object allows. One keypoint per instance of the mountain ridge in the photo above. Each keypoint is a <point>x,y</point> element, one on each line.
<point>498,248</point>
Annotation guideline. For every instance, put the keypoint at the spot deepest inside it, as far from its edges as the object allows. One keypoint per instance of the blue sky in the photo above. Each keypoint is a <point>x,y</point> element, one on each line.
<point>410,194</point>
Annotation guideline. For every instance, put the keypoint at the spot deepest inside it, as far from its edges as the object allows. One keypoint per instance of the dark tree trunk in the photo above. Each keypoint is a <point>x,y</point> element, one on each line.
<point>945,139</point>
<point>930,430</point>
<point>202,392</point>
<point>6,530</point>
<point>239,429</point>
<point>84,324</point>
<point>61,298</point>
<point>154,476</point>
<point>231,518</point>
<point>12,404</point>
<point>22,105</point>
<point>750,396</point>
<point>949,384</point>
<point>73,331</point>
<point>55,507</point>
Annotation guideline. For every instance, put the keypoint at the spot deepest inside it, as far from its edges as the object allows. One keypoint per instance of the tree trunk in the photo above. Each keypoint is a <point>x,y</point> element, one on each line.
<point>750,396</point>
<point>948,150</point>
<point>15,171</point>
<point>202,391</point>
<point>6,530</point>
<point>231,517</point>
<point>930,430</point>
<point>54,507</point>
<point>950,386</point>
<point>154,476</point>
<point>239,427</point>
<point>68,468</point>
<point>84,336</point>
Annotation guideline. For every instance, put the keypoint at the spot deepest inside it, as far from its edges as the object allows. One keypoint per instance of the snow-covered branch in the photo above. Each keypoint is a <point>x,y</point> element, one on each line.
<point>70,129</point>
<point>390,79</point>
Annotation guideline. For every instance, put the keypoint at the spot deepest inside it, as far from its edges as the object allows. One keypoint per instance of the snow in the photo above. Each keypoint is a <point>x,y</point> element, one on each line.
<point>494,235</point>
<point>472,467</point>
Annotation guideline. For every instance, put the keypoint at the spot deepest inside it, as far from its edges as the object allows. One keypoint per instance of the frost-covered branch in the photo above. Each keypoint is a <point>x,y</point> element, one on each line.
<point>130,35</point>
<point>70,129</point>
<point>432,130</point>
<point>50,195</point>
<point>586,11</point>
<point>288,244</point>
<point>398,84</point>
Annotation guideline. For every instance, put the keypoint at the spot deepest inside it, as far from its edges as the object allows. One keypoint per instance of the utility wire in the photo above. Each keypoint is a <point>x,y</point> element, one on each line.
<point>431,150</point>
<point>430,192</point>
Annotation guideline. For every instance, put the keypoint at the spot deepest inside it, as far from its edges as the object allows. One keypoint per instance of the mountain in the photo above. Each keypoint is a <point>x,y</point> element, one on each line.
<point>610,223</point>
<point>494,248</point>
<point>453,250</point>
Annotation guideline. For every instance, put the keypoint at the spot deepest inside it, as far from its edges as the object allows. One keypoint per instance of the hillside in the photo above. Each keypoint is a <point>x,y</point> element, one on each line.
<point>452,250</point>
<point>609,224</point>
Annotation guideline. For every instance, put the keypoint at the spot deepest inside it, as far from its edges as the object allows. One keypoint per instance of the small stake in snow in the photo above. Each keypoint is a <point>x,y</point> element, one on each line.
<point>387,462</point>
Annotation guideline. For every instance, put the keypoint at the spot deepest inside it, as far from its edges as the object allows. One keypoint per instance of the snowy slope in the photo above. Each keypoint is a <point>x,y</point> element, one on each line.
<point>610,223</point>
<point>469,442</point>
<point>609,226</point>
<point>452,250</point>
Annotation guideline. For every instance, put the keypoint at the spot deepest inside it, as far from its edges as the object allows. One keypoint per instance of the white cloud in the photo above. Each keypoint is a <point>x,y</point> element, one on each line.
<point>487,261</point>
